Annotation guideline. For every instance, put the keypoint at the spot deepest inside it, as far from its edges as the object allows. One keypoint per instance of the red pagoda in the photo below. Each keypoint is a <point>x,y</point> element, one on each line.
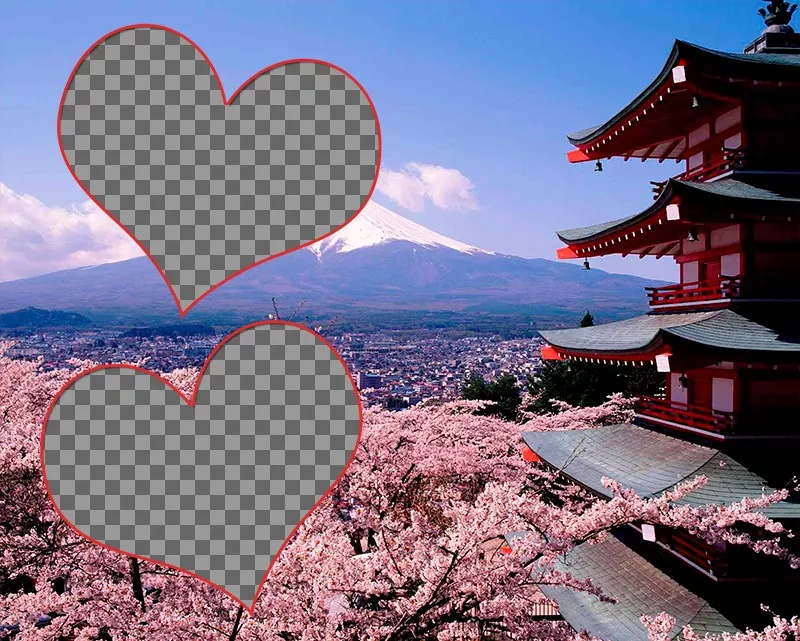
<point>727,337</point>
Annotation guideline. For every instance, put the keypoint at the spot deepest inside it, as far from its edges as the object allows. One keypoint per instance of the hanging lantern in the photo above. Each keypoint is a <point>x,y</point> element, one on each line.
<point>529,456</point>
<point>598,166</point>
<point>697,101</point>
<point>692,235</point>
<point>586,266</point>
<point>506,549</point>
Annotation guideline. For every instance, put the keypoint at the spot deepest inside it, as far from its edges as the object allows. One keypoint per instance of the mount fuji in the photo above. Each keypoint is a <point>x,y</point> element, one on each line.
<point>380,263</point>
<point>376,225</point>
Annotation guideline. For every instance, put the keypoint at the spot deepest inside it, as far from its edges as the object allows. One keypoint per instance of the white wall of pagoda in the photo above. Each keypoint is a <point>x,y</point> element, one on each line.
<point>727,120</point>
<point>725,236</point>
<point>722,392</point>
<point>728,388</point>
<point>731,265</point>
<point>721,246</point>
<point>705,143</point>
<point>678,394</point>
<point>719,381</point>
<point>690,272</point>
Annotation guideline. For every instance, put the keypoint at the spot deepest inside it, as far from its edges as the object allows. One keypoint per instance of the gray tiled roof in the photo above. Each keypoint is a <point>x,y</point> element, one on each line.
<point>779,191</point>
<point>629,335</point>
<point>766,66</point>
<point>635,457</point>
<point>638,587</point>
<point>722,329</point>
<point>651,463</point>
<point>582,234</point>
<point>729,481</point>
<point>735,331</point>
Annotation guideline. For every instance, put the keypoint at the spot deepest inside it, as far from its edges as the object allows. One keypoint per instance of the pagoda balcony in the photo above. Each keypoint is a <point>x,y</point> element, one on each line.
<point>731,160</point>
<point>705,557</point>
<point>704,293</point>
<point>721,563</point>
<point>661,410</point>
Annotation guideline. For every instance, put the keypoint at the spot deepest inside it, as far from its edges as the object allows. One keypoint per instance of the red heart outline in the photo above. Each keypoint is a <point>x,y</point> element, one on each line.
<point>226,102</point>
<point>191,402</point>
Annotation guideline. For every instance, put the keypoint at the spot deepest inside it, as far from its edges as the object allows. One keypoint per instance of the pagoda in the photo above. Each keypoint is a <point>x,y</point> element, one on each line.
<point>727,337</point>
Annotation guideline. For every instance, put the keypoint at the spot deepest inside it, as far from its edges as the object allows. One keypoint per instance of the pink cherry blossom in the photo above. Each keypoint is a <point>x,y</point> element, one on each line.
<point>410,545</point>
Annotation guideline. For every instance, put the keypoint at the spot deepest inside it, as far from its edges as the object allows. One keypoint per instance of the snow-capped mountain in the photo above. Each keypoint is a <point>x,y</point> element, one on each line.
<point>380,263</point>
<point>376,225</point>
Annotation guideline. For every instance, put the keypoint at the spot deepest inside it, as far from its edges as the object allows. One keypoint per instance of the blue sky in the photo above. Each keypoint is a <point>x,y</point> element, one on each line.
<point>486,88</point>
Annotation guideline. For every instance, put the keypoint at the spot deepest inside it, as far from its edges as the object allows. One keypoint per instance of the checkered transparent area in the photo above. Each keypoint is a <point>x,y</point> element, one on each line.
<point>216,488</point>
<point>208,189</point>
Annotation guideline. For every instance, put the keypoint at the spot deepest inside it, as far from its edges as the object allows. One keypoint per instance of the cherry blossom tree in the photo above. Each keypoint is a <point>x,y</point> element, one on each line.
<point>55,584</point>
<point>409,545</point>
<point>659,628</point>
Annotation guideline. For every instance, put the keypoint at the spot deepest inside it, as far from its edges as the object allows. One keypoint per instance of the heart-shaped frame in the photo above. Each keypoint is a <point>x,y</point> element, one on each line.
<point>191,402</point>
<point>250,215</point>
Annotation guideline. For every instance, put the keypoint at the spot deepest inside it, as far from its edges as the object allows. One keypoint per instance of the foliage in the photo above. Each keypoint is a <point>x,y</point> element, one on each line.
<point>589,384</point>
<point>408,546</point>
<point>616,409</point>
<point>504,394</point>
<point>395,403</point>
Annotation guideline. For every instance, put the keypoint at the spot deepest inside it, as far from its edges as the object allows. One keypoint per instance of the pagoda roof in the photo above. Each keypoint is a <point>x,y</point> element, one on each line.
<point>638,588</point>
<point>756,331</point>
<point>769,193</point>
<point>651,463</point>
<point>755,66</point>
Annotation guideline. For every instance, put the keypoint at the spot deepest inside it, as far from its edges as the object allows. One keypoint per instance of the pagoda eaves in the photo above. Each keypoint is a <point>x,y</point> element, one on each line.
<point>696,338</point>
<point>652,463</point>
<point>657,231</point>
<point>655,123</point>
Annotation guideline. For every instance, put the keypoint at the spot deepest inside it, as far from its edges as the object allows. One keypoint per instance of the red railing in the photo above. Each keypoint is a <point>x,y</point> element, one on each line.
<point>696,292</point>
<point>688,415</point>
<point>699,552</point>
<point>731,159</point>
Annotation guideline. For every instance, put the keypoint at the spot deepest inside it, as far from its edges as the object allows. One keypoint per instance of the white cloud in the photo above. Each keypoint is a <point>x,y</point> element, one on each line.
<point>444,187</point>
<point>36,239</point>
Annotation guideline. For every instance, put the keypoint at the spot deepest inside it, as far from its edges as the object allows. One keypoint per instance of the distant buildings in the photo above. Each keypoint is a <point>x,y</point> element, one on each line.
<point>407,366</point>
<point>367,381</point>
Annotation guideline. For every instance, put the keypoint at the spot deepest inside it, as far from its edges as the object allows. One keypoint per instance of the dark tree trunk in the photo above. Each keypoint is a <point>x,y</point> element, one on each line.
<point>136,582</point>
<point>236,624</point>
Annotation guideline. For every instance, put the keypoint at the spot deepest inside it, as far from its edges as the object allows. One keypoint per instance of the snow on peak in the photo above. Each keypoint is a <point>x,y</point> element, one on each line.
<point>377,224</point>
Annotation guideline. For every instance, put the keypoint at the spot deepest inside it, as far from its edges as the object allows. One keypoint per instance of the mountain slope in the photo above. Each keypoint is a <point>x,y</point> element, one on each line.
<point>35,318</point>
<point>380,261</point>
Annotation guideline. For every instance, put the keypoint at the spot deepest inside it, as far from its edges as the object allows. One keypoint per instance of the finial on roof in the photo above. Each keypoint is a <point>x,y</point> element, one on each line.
<point>777,16</point>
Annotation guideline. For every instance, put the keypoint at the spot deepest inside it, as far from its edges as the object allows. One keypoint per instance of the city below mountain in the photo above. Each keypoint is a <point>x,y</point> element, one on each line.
<point>380,266</point>
<point>183,329</point>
